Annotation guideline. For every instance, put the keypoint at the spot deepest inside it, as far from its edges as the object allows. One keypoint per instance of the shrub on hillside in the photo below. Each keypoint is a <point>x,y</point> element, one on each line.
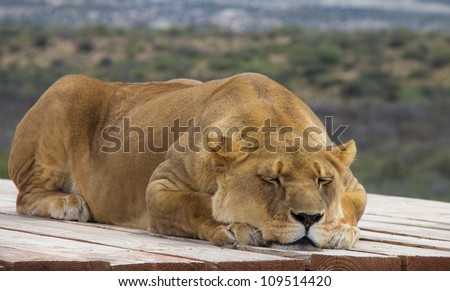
<point>439,56</point>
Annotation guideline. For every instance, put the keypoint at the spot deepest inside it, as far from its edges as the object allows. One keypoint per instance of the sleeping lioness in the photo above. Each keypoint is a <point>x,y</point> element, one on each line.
<point>233,161</point>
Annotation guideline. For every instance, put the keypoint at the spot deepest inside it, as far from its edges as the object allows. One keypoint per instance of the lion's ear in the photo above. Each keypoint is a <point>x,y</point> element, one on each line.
<point>345,153</point>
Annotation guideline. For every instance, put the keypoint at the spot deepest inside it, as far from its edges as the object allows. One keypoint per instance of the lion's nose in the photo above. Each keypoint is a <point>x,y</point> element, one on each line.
<point>307,219</point>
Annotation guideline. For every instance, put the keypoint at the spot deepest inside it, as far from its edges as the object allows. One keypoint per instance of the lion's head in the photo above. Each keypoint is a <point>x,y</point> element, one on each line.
<point>292,198</point>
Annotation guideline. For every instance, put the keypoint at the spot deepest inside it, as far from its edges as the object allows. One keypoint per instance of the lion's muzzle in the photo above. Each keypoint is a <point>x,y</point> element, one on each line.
<point>307,219</point>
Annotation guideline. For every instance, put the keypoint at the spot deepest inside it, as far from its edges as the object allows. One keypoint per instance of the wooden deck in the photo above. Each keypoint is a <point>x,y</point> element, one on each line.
<point>397,234</point>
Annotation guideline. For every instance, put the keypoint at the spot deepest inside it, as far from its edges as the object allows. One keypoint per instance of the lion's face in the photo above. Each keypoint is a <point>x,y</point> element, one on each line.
<point>289,197</point>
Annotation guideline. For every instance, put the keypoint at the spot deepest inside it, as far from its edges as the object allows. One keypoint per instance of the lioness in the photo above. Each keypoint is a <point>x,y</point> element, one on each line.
<point>233,161</point>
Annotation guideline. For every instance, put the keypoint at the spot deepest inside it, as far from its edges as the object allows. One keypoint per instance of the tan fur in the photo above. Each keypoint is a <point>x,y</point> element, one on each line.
<point>226,196</point>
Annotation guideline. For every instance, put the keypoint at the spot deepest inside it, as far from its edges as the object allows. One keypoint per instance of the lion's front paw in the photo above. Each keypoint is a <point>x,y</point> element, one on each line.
<point>237,234</point>
<point>334,236</point>
<point>244,234</point>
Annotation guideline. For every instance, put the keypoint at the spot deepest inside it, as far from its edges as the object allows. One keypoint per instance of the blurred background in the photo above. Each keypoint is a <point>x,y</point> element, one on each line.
<point>380,66</point>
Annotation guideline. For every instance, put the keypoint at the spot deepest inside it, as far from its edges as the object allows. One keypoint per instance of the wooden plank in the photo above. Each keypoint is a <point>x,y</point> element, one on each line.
<point>380,200</point>
<point>9,210</point>
<point>397,250</point>
<point>216,258</point>
<point>62,254</point>
<point>58,266</point>
<point>7,198</point>
<point>402,207</point>
<point>351,263</point>
<point>13,259</point>
<point>8,194</point>
<point>411,263</point>
<point>413,231</point>
<point>405,240</point>
<point>406,221</point>
<point>8,189</point>
<point>411,258</point>
<point>329,259</point>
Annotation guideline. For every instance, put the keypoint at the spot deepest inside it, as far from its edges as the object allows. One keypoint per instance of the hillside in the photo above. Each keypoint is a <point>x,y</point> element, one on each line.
<point>391,87</point>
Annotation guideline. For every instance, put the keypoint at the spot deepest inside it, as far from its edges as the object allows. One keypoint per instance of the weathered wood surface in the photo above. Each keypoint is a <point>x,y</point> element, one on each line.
<point>397,234</point>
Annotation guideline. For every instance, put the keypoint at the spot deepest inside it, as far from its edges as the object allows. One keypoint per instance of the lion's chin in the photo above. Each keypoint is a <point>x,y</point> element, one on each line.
<point>303,244</point>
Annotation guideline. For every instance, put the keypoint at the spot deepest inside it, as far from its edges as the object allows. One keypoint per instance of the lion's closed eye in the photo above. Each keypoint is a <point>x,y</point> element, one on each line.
<point>275,180</point>
<point>271,174</point>
<point>324,181</point>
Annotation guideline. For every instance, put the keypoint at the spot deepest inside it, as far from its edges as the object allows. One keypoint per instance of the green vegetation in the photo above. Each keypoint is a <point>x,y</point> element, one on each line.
<point>4,165</point>
<point>391,87</point>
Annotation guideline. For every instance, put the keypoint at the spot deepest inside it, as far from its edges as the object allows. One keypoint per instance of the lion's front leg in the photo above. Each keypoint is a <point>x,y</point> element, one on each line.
<point>189,214</point>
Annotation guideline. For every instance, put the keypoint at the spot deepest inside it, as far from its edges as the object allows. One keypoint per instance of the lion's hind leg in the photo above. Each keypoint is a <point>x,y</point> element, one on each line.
<point>44,191</point>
